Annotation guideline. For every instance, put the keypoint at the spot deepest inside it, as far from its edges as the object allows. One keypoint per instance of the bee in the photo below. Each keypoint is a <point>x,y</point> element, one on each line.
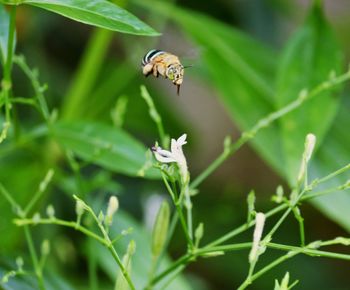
<point>159,62</point>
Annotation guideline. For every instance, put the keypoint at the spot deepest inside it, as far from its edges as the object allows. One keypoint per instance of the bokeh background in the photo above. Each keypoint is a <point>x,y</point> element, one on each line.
<point>56,46</point>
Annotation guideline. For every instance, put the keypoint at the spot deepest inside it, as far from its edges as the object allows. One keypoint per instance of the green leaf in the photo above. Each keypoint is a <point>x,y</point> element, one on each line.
<point>4,31</point>
<point>99,13</point>
<point>109,147</point>
<point>310,56</point>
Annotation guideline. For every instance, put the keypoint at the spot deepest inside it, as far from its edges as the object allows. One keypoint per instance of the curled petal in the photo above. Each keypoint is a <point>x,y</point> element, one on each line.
<point>182,140</point>
<point>163,159</point>
<point>163,156</point>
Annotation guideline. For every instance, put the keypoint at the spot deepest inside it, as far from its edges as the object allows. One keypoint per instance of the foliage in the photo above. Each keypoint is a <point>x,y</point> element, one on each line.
<point>282,105</point>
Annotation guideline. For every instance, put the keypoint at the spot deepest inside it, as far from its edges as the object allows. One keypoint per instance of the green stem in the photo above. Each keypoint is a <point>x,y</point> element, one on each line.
<point>281,207</point>
<point>178,207</point>
<point>155,116</point>
<point>92,266</point>
<point>42,188</point>
<point>69,224</point>
<point>266,121</point>
<point>188,206</point>
<point>300,220</point>
<point>181,261</point>
<point>32,75</point>
<point>9,197</point>
<point>333,174</point>
<point>34,258</point>
<point>111,248</point>
<point>7,82</point>
<point>275,263</point>
<point>87,74</point>
<point>121,266</point>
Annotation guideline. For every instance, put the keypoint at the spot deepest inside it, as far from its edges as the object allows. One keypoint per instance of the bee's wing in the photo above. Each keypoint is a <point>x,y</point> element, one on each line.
<point>192,57</point>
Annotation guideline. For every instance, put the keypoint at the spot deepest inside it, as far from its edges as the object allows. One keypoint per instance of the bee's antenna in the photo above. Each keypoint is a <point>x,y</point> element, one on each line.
<point>178,90</point>
<point>187,66</point>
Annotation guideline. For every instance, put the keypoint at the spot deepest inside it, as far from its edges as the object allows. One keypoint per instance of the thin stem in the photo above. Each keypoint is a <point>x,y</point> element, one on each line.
<point>174,275</point>
<point>292,251</point>
<point>7,82</point>
<point>34,258</point>
<point>10,44</point>
<point>266,121</point>
<point>300,220</point>
<point>181,261</point>
<point>178,207</point>
<point>55,221</point>
<point>25,101</point>
<point>92,268</point>
<point>38,88</point>
<point>121,266</point>
<point>333,174</point>
<point>275,263</point>
<point>42,188</point>
<point>188,206</point>
<point>281,207</point>
<point>8,197</point>
<point>108,243</point>
<point>155,116</point>
<point>87,73</point>
<point>105,241</point>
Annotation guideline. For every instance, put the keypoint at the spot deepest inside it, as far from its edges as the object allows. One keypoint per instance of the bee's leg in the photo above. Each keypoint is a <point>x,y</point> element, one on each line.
<point>161,70</point>
<point>155,70</point>
<point>147,69</point>
<point>178,89</point>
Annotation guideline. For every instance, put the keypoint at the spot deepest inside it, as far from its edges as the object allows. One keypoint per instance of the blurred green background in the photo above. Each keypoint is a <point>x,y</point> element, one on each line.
<point>235,49</point>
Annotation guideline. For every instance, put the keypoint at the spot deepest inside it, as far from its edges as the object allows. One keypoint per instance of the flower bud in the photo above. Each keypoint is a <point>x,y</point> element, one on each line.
<point>36,218</point>
<point>79,208</point>
<point>50,211</point>
<point>45,248</point>
<point>160,229</point>
<point>19,263</point>
<point>112,208</point>
<point>259,226</point>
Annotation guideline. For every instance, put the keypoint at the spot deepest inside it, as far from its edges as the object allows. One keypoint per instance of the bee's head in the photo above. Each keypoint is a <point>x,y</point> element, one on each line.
<point>175,72</point>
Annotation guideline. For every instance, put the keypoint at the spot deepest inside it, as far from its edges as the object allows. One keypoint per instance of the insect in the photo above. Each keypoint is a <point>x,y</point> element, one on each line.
<point>159,62</point>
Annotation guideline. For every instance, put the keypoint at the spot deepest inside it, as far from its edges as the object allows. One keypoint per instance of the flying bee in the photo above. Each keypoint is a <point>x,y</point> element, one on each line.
<point>159,62</point>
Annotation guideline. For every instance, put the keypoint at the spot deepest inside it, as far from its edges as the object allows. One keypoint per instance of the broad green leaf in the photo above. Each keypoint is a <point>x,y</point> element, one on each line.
<point>309,58</point>
<point>4,30</point>
<point>109,147</point>
<point>241,69</point>
<point>99,13</point>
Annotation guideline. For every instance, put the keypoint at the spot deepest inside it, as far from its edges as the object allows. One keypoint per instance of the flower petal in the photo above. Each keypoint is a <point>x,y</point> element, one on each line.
<point>182,140</point>
<point>163,159</point>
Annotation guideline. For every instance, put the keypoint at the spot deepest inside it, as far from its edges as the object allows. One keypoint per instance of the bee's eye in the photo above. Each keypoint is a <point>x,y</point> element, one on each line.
<point>170,73</point>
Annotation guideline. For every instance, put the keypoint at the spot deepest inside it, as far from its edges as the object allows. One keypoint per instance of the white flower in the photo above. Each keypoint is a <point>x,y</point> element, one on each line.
<point>175,155</point>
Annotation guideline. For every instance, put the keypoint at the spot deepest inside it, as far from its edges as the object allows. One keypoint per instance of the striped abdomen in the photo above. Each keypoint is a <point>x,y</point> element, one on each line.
<point>151,55</point>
